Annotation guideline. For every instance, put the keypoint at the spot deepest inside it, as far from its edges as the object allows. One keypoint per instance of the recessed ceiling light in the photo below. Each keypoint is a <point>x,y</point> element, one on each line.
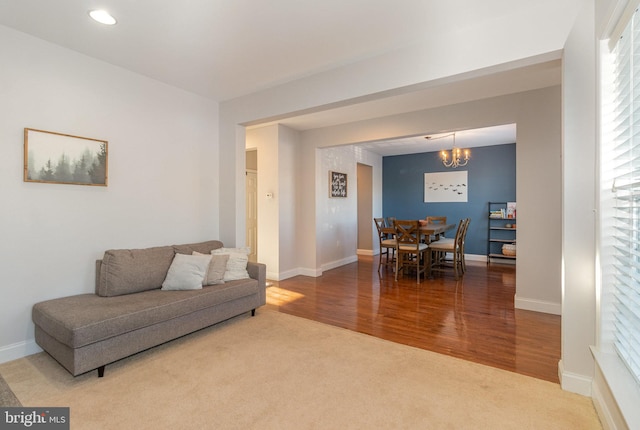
<point>103,17</point>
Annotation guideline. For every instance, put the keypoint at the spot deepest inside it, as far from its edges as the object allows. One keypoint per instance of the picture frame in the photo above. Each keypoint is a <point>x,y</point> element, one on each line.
<point>337,184</point>
<point>446,187</point>
<point>58,158</point>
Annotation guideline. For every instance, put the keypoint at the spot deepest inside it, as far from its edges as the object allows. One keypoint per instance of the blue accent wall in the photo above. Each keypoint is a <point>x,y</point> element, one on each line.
<point>491,177</point>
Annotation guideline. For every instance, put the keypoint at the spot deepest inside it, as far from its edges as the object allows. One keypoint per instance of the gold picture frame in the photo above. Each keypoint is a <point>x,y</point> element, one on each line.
<point>57,158</point>
<point>337,184</point>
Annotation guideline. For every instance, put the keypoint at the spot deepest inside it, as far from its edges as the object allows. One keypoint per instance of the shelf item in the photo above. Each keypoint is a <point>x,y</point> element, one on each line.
<point>512,257</point>
<point>501,231</point>
<point>509,249</point>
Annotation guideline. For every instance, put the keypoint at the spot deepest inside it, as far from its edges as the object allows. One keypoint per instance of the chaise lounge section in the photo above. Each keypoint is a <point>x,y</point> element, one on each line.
<point>129,311</point>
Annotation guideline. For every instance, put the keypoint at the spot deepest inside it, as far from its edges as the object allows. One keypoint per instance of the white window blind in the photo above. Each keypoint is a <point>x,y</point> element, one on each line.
<point>624,155</point>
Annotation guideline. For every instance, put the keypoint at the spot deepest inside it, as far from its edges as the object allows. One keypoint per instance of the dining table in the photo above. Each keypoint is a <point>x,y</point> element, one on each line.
<point>431,232</point>
<point>435,230</point>
<point>427,232</point>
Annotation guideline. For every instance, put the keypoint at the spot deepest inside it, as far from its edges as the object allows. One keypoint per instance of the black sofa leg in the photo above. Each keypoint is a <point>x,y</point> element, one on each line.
<point>253,312</point>
<point>100,371</point>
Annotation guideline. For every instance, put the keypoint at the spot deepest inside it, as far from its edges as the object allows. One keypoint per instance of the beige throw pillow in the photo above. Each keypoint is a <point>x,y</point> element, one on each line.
<point>217,267</point>
<point>237,264</point>
<point>186,272</point>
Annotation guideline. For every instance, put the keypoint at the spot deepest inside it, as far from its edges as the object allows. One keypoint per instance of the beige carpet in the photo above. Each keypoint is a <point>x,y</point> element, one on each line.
<point>276,371</point>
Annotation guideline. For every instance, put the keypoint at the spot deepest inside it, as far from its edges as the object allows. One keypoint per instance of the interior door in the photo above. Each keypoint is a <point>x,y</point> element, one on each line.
<point>252,214</point>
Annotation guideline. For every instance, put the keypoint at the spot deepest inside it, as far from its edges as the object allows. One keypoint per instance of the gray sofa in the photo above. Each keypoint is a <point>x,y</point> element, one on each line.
<point>129,312</point>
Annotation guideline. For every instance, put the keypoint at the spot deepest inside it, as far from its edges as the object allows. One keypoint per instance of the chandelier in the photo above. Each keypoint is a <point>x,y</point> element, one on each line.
<point>457,158</point>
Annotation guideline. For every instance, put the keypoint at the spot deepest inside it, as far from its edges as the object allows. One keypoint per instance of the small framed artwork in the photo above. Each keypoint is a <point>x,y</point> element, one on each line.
<point>337,184</point>
<point>58,158</point>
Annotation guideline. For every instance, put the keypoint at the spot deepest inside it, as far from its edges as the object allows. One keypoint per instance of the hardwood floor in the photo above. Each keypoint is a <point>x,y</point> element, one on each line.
<point>473,319</point>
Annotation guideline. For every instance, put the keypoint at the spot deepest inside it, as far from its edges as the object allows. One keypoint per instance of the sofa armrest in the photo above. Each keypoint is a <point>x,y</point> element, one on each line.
<point>258,271</point>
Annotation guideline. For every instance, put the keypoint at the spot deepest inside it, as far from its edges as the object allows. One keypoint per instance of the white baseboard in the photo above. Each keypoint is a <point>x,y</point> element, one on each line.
<point>537,305</point>
<point>569,381</point>
<point>275,276</point>
<point>475,257</point>
<point>314,273</point>
<point>288,274</point>
<point>18,350</point>
<point>338,263</point>
<point>302,271</point>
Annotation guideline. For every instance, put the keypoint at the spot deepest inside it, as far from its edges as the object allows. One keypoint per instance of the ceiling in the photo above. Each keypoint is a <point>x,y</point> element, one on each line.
<point>487,136</point>
<point>222,49</point>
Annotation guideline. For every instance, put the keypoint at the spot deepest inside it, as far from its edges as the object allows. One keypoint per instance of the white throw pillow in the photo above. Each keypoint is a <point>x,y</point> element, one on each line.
<point>237,264</point>
<point>217,267</point>
<point>186,272</point>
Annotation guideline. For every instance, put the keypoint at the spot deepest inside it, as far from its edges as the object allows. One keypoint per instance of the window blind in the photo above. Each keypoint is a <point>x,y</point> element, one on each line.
<point>624,153</point>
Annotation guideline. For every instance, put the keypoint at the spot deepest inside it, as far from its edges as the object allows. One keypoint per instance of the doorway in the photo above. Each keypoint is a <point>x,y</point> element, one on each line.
<point>364,178</point>
<point>252,203</point>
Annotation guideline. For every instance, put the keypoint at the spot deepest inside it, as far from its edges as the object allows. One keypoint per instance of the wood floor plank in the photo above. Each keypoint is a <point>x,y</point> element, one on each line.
<point>473,318</point>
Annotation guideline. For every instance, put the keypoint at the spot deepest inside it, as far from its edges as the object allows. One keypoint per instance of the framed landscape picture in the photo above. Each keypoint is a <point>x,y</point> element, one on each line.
<point>337,184</point>
<point>58,158</point>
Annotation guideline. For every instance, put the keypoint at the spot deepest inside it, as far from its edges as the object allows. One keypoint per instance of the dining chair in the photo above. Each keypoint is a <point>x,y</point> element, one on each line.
<point>391,221</point>
<point>440,248</point>
<point>386,236</point>
<point>464,240</point>
<point>436,220</point>
<point>410,251</point>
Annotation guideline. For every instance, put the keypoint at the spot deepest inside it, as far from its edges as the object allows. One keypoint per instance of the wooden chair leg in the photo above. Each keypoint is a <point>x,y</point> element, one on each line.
<point>457,266</point>
<point>397,268</point>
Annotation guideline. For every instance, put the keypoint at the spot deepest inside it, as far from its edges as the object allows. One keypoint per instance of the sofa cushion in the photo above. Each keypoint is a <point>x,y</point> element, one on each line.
<point>201,247</point>
<point>187,272</point>
<point>96,318</point>
<point>126,271</point>
<point>237,264</point>
<point>217,267</point>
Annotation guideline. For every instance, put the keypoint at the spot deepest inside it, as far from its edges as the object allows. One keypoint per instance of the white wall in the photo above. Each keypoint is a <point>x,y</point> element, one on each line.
<point>578,206</point>
<point>375,161</point>
<point>277,220</point>
<point>315,211</point>
<point>163,179</point>
<point>336,217</point>
<point>288,168</point>
<point>539,195</point>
